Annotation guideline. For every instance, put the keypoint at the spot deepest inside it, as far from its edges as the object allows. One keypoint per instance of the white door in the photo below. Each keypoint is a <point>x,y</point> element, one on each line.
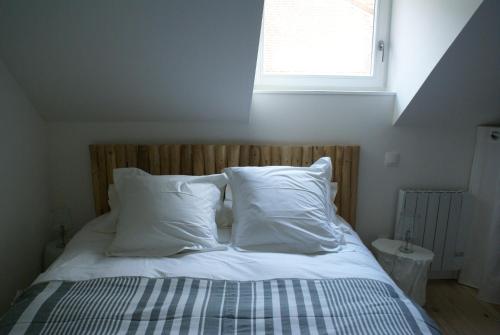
<point>482,254</point>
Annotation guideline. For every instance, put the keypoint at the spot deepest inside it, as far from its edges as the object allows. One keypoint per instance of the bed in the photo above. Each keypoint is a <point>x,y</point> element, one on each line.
<point>225,291</point>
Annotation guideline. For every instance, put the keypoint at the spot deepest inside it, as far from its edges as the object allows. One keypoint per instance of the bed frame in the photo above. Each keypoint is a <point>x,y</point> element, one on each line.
<point>200,159</point>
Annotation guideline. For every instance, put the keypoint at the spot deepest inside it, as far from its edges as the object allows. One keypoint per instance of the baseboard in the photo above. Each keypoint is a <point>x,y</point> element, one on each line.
<point>443,275</point>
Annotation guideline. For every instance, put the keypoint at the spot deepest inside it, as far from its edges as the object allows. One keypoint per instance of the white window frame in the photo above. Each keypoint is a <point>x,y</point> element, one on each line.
<point>375,82</point>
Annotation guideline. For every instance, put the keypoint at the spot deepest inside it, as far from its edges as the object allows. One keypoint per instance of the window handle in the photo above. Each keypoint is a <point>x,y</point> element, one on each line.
<point>381,47</point>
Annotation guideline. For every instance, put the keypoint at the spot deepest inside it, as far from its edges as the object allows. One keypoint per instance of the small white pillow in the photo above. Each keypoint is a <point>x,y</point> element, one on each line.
<point>284,209</point>
<point>100,223</point>
<point>228,196</point>
<point>227,218</point>
<point>162,215</point>
<point>224,216</point>
<point>333,194</point>
<point>109,225</point>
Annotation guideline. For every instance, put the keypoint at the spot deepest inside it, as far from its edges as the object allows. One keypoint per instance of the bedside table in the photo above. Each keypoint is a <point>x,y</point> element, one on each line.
<point>409,271</point>
<point>51,252</point>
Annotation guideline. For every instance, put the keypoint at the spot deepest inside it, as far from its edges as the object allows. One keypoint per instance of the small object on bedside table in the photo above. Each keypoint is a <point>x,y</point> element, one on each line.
<point>53,249</point>
<point>408,270</point>
<point>61,222</point>
<point>406,246</point>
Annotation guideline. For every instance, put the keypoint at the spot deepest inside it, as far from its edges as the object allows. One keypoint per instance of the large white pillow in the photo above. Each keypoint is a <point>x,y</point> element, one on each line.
<point>223,215</point>
<point>284,209</point>
<point>163,215</point>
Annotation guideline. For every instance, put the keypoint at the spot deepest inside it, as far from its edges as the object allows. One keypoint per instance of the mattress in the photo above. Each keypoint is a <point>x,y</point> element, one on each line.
<point>226,291</point>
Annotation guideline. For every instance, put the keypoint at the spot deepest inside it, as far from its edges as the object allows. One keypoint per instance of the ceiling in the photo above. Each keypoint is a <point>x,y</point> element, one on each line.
<point>127,60</point>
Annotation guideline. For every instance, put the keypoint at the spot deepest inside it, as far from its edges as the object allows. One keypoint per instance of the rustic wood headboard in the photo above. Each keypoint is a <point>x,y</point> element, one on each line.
<point>200,159</point>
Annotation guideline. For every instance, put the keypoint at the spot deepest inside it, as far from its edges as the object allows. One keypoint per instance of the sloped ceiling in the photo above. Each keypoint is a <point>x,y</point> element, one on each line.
<point>131,60</point>
<point>421,32</point>
<point>463,89</point>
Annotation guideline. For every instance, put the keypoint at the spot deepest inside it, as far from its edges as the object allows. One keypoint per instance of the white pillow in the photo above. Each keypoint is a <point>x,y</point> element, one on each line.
<point>223,215</point>
<point>162,215</point>
<point>226,219</point>
<point>284,209</point>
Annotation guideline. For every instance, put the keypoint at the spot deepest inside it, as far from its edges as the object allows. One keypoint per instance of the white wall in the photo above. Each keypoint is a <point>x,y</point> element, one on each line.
<point>24,197</point>
<point>429,157</point>
<point>421,32</point>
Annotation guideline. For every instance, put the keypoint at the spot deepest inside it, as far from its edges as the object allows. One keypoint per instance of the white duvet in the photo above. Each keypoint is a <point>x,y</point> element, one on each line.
<point>84,258</point>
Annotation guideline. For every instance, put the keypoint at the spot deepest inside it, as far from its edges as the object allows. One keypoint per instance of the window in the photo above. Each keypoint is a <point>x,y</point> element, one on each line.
<point>323,45</point>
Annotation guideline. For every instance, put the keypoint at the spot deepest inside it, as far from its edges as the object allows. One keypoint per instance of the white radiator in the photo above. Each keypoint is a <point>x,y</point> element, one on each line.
<point>435,220</point>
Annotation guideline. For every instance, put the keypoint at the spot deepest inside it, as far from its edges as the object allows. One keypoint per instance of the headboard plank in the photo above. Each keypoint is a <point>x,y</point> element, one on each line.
<point>198,165</point>
<point>209,157</point>
<point>337,156</point>
<point>296,156</point>
<point>121,158</point>
<point>307,156</point>
<point>186,159</point>
<point>154,159</point>
<point>94,169</point>
<point>275,155</point>
<point>244,155</point>
<point>286,155</point>
<point>265,155</point>
<point>103,180</point>
<point>110,161</point>
<point>132,155</point>
<point>254,156</point>
<point>318,152</point>
<point>233,158</point>
<point>164,159</point>
<point>143,158</point>
<point>175,159</point>
<point>345,195</point>
<point>354,182</point>
<point>198,159</point>
<point>220,158</point>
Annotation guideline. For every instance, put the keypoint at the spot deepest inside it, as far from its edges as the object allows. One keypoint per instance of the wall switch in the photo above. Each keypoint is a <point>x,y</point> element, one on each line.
<point>391,158</point>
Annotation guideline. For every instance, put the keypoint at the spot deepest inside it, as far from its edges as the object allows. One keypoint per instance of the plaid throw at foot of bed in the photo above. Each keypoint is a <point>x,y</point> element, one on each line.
<point>135,305</point>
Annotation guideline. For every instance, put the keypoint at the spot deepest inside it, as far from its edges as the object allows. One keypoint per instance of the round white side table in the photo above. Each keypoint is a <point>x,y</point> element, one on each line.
<point>51,252</point>
<point>409,271</point>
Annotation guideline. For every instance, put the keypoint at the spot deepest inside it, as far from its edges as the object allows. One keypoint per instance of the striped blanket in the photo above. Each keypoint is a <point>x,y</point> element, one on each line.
<point>136,305</point>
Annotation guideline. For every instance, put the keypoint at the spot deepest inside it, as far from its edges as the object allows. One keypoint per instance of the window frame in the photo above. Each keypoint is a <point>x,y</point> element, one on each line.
<point>375,82</point>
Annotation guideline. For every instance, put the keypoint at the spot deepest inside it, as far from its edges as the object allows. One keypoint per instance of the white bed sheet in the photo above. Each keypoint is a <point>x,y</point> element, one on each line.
<point>84,258</point>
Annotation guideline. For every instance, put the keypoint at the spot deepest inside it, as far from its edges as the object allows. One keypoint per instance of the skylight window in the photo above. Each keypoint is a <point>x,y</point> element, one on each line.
<point>323,44</point>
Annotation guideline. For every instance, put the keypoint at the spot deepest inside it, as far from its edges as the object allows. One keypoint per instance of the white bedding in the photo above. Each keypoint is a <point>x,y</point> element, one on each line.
<point>84,258</point>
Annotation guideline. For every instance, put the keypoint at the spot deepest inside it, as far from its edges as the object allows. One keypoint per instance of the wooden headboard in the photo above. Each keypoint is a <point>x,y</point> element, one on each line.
<point>200,159</point>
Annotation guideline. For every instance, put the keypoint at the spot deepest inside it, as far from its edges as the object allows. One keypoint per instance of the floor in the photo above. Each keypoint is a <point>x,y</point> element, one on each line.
<point>457,311</point>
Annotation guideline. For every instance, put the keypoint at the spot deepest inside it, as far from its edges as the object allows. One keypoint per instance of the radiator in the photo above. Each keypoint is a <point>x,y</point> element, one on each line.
<point>435,220</point>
